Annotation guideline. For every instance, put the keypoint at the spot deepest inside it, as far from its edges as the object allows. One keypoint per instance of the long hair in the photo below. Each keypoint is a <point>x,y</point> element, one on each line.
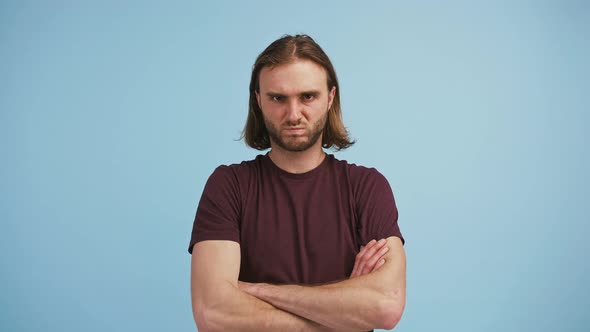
<point>284,50</point>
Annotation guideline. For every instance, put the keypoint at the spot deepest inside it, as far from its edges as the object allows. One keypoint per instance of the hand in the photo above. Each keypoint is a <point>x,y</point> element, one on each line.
<point>370,258</point>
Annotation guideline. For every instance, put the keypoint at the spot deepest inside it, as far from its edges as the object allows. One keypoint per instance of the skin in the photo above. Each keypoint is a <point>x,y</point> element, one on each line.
<point>221,302</point>
<point>370,258</point>
<point>370,301</point>
<point>294,99</point>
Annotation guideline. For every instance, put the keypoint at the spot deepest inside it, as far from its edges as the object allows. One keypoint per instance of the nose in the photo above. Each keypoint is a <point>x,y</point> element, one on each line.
<point>294,111</point>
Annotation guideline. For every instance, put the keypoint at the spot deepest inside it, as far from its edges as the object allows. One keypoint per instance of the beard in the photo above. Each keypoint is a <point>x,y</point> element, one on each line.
<point>296,143</point>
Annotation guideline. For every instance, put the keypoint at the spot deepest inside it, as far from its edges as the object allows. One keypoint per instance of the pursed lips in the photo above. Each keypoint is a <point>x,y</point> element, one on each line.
<point>295,130</point>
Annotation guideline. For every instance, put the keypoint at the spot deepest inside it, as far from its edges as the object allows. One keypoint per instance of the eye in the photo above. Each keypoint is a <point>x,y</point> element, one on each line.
<point>278,99</point>
<point>308,97</point>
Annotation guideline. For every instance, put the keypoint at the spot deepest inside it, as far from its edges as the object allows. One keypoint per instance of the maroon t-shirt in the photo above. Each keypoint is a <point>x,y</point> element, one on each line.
<point>296,228</point>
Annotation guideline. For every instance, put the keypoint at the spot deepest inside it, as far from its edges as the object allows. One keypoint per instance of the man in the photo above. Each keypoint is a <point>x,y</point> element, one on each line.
<point>288,241</point>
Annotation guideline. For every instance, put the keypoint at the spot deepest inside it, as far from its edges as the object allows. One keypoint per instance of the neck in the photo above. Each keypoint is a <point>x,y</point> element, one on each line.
<point>297,162</point>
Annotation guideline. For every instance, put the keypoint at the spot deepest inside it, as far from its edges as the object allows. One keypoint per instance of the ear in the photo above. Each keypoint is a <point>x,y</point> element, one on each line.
<point>331,96</point>
<point>258,99</point>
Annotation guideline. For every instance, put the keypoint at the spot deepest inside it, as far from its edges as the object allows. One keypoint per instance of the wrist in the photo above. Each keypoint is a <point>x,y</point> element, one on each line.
<point>262,290</point>
<point>254,289</point>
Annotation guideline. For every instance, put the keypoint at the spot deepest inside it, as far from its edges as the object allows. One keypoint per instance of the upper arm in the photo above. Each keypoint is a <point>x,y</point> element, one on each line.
<point>393,281</point>
<point>395,262</point>
<point>215,267</point>
<point>375,205</point>
<point>219,209</point>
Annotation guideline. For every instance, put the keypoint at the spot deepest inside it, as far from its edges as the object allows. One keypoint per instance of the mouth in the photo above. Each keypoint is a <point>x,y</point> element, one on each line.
<point>295,130</point>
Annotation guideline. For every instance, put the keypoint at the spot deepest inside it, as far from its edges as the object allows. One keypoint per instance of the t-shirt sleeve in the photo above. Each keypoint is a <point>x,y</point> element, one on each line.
<point>218,213</point>
<point>377,212</point>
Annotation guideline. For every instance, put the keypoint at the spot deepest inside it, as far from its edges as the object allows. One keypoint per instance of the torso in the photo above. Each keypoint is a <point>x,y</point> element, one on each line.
<point>297,228</point>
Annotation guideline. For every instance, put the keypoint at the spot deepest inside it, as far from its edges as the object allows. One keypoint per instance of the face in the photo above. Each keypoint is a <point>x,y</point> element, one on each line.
<point>294,99</point>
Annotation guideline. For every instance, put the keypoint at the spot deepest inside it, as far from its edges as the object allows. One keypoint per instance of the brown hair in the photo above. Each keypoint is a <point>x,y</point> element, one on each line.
<point>283,51</point>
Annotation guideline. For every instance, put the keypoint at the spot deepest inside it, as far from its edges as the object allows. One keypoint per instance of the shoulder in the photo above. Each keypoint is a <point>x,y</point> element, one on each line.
<point>238,170</point>
<point>359,174</point>
<point>365,182</point>
<point>234,176</point>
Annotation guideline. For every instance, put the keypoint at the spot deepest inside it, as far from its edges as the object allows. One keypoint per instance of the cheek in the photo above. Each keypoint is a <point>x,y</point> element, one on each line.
<point>271,113</point>
<point>319,109</point>
<point>269,106</point>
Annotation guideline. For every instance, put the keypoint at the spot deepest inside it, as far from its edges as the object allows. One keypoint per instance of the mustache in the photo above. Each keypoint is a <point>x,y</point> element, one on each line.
<point>289,124</point>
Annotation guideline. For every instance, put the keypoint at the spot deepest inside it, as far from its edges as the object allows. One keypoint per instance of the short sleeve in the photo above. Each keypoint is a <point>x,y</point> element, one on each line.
<point>218,213</point>
<point>376,209</point>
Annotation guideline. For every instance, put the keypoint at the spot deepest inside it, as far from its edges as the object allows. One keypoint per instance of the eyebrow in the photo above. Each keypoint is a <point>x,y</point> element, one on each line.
<point>309,92</point>
<point>275,94</point>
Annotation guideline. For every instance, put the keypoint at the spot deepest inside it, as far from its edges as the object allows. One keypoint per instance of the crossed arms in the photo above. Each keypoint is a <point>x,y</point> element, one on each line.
<point>372,298</point>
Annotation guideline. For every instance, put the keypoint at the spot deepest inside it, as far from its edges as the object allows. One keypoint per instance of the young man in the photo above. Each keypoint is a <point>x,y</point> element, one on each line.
<point>287,241</point>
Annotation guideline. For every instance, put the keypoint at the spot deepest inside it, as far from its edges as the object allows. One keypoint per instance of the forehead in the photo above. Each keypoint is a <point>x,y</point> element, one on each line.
<point>301,75</point>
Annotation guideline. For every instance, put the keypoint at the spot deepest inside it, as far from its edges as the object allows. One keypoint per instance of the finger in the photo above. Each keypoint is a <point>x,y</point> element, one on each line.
<point>369,253</point>
<point>368,246</point>
<point>354,272</point>
<point>355,267</point>
<point>360,265</point>
<point>373,259</point>
<point>379,264</point>
<point>364,256</point>
<point>370,265</point>
<point>359,256</point>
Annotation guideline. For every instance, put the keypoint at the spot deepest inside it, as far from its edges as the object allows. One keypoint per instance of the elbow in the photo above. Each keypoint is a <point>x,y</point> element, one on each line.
<point>390,313</point>
<point>200,320</point>
<point>207,320</point>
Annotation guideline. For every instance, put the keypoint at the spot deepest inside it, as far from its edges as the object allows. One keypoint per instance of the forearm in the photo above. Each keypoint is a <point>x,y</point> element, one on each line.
<point>238,311</point>
<point>218,304</point>
<point>339,306</point>
<point>375,300</point>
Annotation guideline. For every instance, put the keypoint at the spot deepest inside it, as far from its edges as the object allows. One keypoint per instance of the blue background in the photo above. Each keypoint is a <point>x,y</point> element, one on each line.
<point>113,115</point>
